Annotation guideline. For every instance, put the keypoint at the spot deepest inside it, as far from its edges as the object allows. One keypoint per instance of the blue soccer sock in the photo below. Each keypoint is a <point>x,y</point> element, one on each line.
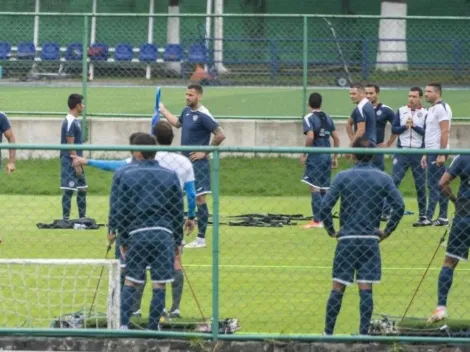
<point>81,203</point>
<point>66,203</point>
<point>446,277</point>
<point>127,302</point>
<point>177,289</point>
<point>202,219</point>
<point>316,205</point>
<point>139,292</point>
<point>366,308</point>
<point>156,308</point>
<point>332,310</point>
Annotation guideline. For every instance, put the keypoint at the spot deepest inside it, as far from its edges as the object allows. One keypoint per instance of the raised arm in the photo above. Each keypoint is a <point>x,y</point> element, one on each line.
<point>172,119</point>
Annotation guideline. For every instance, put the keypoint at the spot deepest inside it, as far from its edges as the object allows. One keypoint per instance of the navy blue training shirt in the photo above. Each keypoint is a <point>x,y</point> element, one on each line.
<point>4,126</point>
<point>383,114</point>
<point>362,190</point>
<point>71,128</point>
<point>146,196</point>
<point>196,126</point>
<point>364,112</point>
<point>460,167</point>
<point>322,126</point>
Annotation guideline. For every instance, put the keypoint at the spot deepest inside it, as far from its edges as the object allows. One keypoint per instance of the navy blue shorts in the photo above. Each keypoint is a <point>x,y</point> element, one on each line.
<point>359,259</point>
<point>202,174</point>
<point>318,174</point>
<point>459,239</point>
<point>68,177</point>
<point>378,161</point>
<point>153,250</point>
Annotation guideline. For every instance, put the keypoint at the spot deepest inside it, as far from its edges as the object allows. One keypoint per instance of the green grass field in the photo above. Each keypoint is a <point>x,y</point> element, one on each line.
<point>221,101</point>
<point>275,280</point>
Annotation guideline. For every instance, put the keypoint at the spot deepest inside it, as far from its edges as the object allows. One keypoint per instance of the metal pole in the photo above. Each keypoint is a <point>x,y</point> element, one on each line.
<point>36,23</point>
<point>215,244</point>
<point>305,66</point>
<point>85,77</point>
<point>148,71</point>
<point>93,36</point>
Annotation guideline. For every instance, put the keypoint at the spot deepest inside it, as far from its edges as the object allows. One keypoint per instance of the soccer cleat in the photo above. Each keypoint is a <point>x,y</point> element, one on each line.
<point>197,243</point>
<point>314,225</point>
<point>440,313</point>
<point>423,221</point>
<point>440,222</point>
<point>175,314</point>
<point>123,327</point>
<point>137,314</point>
<point>385,217</point>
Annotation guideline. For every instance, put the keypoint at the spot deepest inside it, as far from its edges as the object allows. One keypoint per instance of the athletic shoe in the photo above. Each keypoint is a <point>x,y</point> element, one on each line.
<point>440,313</point>
<point>314,225</point>
<point>137,314</point>
<point>197,243</point>
<point>440,222</point>
<point>175,314</point>
<point>423,221</point>
<point>385,217</point>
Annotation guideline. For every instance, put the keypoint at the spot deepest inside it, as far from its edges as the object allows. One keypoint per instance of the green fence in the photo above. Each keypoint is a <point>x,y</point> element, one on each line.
<point>272,59</point>
<point>268,272</point>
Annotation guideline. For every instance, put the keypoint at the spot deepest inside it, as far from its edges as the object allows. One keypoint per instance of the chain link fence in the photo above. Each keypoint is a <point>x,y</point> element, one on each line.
<point>259,266</point>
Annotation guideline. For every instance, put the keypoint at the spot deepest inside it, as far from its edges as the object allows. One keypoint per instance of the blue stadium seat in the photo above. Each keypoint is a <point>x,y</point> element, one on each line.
<point>123,52</point>
<point>4,50</point>
<point>98,52</point>
<point>173,52</point>
<point>148,52</point>
<point>50,51</point>
<point>74,52</point>
<point>26,51</point>
<point>197,54</point>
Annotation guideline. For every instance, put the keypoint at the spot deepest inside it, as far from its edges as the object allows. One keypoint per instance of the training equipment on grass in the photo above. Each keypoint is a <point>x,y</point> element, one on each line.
<point>156,113</point>
<point>389,325</point>
<point>265,220</point>
<point>34,292</point>
<point>77,224</point>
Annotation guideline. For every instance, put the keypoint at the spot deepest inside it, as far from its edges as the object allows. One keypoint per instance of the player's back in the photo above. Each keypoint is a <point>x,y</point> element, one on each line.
<point>322,126</point>
<point>362,189</point>
<point>149,191</point>
<point>460,167</point>
<point>364,112</point>
<point>71,128</point>
<point>177,163</point>
<point>197,126</point>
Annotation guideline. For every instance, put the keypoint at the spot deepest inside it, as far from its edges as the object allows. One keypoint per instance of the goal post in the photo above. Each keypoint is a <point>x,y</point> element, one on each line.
<point>42,293</point>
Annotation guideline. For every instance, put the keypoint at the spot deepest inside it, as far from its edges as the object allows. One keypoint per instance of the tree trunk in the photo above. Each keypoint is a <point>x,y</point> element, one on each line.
<point>391,48</point>
<point>173,31</point>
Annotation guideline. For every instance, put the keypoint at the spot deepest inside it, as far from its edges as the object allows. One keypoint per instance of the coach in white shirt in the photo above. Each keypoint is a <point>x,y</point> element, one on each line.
<point>436,136</point>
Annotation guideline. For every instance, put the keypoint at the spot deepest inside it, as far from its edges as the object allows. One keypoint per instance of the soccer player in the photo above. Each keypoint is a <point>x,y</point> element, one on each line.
<point>362,190</point>
<point>5,129</point>
<point>383,115</point>
<point>146,209</point>
<point>459,239</point>
<point>436,137</point>
<point>197,126</point>
<point>184,170</point>
<point>362,121</point>
<point>72,177</point>
<point>319,128</point>
<point>409,126</point>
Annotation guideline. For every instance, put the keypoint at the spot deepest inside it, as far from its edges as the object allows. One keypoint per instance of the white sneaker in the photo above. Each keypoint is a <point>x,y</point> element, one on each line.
<point>197,243</point>
<point>123,327</point>
<point>440,313</point>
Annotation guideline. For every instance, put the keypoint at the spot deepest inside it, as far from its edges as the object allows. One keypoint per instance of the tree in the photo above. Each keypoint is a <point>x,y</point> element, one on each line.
<point>392,48</point>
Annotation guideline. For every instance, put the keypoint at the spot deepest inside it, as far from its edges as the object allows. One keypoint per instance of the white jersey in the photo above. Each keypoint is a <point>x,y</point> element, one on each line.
<point>410,138</point>
<point>177,163</point>
<point>437,113</point>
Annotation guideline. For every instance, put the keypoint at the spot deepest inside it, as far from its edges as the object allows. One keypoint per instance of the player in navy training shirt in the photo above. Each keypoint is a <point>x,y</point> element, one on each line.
<point>197,126</point>
<point>72,177</point>
<point>459,239</point>
<point>362,120</point>
<point>5,129</point>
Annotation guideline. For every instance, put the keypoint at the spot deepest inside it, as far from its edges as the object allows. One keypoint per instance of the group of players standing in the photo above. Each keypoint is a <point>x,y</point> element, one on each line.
<point>368,195</point>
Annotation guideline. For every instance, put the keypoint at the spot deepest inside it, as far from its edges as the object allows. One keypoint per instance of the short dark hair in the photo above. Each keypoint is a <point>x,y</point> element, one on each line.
<point>436,86</point>
<point>145,139</point>
<point>163,132</point>
<point>133,135</point>
<point>417,89</point>
<point>74,100</point>
<point>363,142</point>
<point>196,87</point>
<point>315,100</point>
<point>357,85</point>
<point>375,86</point>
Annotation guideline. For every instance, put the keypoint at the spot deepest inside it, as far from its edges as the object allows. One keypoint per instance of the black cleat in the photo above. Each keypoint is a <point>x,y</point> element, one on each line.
<point>423,221</point>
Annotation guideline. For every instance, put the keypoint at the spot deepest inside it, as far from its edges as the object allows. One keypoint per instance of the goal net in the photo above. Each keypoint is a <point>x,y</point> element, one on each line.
<point>44,293</point>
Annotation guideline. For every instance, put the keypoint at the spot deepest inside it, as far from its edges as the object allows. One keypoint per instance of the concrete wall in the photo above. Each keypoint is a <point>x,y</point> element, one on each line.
<point>105,131</point>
